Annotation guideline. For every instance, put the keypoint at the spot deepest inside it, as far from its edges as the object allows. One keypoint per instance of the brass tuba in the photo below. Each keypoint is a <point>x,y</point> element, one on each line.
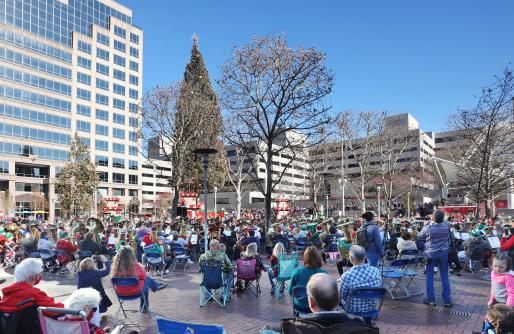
<point>96,226</point>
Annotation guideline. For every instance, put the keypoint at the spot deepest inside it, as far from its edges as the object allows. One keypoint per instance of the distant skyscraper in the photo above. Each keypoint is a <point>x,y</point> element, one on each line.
<point>68,66</point>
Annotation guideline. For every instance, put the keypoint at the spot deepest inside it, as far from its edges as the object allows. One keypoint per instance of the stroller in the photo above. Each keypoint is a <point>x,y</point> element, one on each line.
<point>9,260</point>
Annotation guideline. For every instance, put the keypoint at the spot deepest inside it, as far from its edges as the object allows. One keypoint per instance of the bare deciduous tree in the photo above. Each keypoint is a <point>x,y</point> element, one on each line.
<point>176,130</point>
<point>277,95</point>
<point>361,135</point>
<point>238,176</point>
<point>484,153</point>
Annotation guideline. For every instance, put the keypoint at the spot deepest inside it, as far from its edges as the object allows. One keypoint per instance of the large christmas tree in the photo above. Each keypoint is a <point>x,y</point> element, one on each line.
<point>198,86</point>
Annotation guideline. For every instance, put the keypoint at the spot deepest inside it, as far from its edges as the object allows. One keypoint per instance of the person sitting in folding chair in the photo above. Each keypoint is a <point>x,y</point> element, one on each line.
<point>322,298</point>
<point>125,265</point>
<point>312,263</point>
<point>86,300</point>
<point>359,275</point>
<point>151,246</point>
<point>471,244</point>
<point>273,269</point>
<point>214,254</point>
<point>251,254</point>
<point>64,244</point>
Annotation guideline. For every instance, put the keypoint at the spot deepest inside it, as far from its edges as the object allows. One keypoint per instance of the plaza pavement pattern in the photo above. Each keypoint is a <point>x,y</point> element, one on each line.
<point>249,314</point>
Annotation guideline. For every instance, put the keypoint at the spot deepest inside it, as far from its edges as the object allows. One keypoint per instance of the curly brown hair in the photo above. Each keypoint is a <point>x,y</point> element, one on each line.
<point>124,263</point>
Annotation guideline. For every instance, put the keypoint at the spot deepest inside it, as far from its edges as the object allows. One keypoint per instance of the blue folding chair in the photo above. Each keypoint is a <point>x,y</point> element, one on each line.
<point>287,263</point>
<point>301,244</point>
<point>180,256</point>
<point>212,279</point>
<point>393,276</point>
<point>165,326</point>
<point>154,262</point>
<point>128,282</point>
<point>373,297</point>
<point>408,253</point>
<point>300,294</point>
<point>83,254</point>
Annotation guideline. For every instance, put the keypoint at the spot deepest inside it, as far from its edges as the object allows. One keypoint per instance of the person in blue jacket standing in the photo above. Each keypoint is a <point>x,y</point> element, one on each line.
<point>374,247</point>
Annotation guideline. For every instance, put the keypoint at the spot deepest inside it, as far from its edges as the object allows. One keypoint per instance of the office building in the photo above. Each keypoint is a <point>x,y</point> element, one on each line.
<point>66,67</point>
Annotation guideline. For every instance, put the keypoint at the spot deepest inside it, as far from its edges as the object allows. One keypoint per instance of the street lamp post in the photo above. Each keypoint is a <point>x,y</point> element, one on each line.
<point>215,200</point>
<point>408,204</point>
<point>325,192</point>
<point>342,182</point>
<point>378,197</point>
<point>204,152</point>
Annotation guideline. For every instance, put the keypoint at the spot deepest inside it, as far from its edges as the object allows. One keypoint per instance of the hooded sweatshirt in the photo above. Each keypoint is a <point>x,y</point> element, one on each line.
<point>21,291</point>
<point>502,288</point>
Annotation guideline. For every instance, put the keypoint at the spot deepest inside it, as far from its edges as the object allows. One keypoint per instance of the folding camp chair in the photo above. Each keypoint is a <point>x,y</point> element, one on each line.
<point>373,297</point>
<point>84,254</point>
<point>300,294</point>
<point>393,276</point>
<point>287,263</point>
<point>128,282</point>
<point>475,260</point>
<point>246,272</point>
<point>153,262</point>
<point>411,271</point>
<point>24,320</point>
<point>165,326</point>
<point>62,255</point>
<point>180,256</point>
<point>212,279</point>
<point>53,326</point>
<point>408,254</point>
<point>301,244</point>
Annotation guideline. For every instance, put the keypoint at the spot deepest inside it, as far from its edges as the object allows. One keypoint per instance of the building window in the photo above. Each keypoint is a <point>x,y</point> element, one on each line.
<point>133,150</point>
<point>133,94</point>
<point>133,107</point>
<point>34,116</point>
<point>35,63</point>
<point>118,148</point>
<point>83,62</point>
<point>86,141</point>
<point>133,122</point>
<point>118,104</point>
<point>84,78</point>
<point>101,38</point>
<point>132,179</point>
<point>118,192</point>
<point>134,80</point>
<point>102,54</point>
<point>102,84</point>
<point>134,66</point>
<point>118,133</point>
<point>146,192</point>
<point>84,47</point>
<point>83,94</point>
<point>120,46</point>
<point>102,99</point>
<point>120,75</point>
<point>83,126</point>
<point>134,38</point>
<point>101,145</point>
<point>118,163</point>
<point>101,160</point>
<point>119,31</point>
<point>133,136</point>
<point>133,164</point>
<point>118,178</point>
<point>102,114</point>
<point>118,118</point>
<point>148,184</point>
<point>83,110</point>
<point>118,89</point>
<point>102,69</point>
<point>101,130</point>
<point>134,52</point>
<point>133,192</point>
<point>119,60</point>
<point>4,167</point>
<point>103,176</point>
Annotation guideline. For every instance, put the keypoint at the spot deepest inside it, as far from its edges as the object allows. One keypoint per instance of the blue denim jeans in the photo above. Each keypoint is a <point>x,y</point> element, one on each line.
<point>271,276</point>
<point>439,259</point>
<point>151,284</point>
<point>373,258</point>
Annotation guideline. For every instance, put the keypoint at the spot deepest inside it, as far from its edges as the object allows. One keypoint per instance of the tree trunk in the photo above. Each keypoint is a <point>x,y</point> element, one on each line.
<point>363,198</point>
<point>174,205</point>
<point>267,195</point>
<point>238,203</point>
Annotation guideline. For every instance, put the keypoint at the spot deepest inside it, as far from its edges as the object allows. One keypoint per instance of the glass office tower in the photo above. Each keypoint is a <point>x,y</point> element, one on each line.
<point>66,67</point>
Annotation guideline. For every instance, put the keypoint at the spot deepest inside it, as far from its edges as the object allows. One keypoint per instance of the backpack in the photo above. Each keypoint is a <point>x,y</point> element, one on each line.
<point>361,238</point>
<point>304,326</point>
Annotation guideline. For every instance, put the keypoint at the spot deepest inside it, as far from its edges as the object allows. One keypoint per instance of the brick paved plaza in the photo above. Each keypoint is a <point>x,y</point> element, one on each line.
<point>248,314</point>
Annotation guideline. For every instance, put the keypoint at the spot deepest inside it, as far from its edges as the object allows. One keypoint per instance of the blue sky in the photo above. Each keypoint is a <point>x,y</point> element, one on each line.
<point>427,57</point>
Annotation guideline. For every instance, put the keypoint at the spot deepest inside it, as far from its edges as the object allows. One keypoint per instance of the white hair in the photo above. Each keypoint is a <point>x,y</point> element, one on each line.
<point>82,298</point>
<point>28,269</point>
<point>251,250</point>
<point>278,249</point>
<point>358,253</point>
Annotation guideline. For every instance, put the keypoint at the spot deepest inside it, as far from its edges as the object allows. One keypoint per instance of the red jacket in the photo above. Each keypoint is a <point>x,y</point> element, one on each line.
<point>66,245</point>
<point>18,292</point>
<point>505,244</point>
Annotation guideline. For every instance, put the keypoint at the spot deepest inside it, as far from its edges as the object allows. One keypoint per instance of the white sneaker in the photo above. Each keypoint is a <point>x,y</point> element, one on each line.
<point>165,272</point>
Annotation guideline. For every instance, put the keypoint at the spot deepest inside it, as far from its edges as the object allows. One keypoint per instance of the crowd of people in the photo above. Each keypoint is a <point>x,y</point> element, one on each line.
<point>359,249</point>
